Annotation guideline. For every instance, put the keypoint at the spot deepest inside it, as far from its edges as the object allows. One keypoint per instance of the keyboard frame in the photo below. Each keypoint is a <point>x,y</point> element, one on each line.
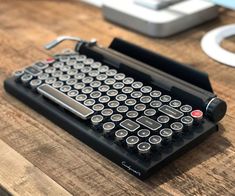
<point>131,162</point>
<point>78,128</point>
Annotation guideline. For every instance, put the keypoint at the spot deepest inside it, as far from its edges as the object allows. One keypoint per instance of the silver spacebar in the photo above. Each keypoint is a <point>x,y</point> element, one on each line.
<point>65,101</point>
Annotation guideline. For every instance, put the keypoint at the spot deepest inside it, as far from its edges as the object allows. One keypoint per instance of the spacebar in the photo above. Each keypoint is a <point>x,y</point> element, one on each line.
<point>65,101</point>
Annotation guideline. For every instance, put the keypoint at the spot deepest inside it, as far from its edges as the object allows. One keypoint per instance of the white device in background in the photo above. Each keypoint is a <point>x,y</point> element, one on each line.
<point>159,18</point>
<point>211,44</point>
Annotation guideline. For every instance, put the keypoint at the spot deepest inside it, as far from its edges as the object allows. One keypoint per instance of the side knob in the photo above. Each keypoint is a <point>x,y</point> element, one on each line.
<point>216,109</point>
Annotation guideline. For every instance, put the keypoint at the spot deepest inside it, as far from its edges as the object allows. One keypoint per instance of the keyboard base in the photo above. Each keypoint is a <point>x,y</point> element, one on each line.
<point>80,129</point>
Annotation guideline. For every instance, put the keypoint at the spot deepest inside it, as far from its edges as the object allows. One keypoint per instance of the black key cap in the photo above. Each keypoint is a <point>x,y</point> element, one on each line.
<point>121,134</point>
<point>155,140</point>
<point>149,123</point>
<point>131,141</point>
<point>33,71</point>
<point>177,127</point>
<point>129,125</point>
<point>166,133</point>
<point>144,147</point>
<point>143,133</point>
<point>65,101</point>
<point>172,112</point>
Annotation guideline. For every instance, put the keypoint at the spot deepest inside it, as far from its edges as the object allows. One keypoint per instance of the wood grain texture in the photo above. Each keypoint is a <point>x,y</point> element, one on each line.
<point>67,164</point>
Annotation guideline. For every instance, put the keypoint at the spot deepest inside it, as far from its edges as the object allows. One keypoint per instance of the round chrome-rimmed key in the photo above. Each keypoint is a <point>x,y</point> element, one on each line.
<point>166,133</point>
<point>116,117</point>
<point>145,99</point>
<point>130,102</point>
<point>87,90</point>
<point>71,82</point>
<point>113,104</point>
<point>108,126</point>
<point>140,107</point>
<point>64,78</point>
<point>136,85</point>
<point>175,103</point>
<point>26,78</point>
<point>71,62</point>
<point>165,98</point>
<point>93,73</point>
<point>119,76</point>
<point>122,109</point>
<point>111,72</point>
<point>187,121</point>
<point>58,64</point>
<point>98,107</point>
<point>150,112</point>
<point>146,89</point>
<point>89,102</point>
<point>186,108</point>
<point>132,114</point>
<point>144,148</point>
<point>43,76</point>
<point>177,127</point>
<point>81,58</point>
<point>96,65</point>
<point>155,104</point>
<point>127,90</point>
<point>143,133</point>
<point>18,73</point>
<point>79,76</point>
<point>155,94</point>
<point>65,68</point>
<point>128,80</point>
<point>86,69</point>
<point>163,119</point>
<point>50,70</point>
<point>155,141</point>
<point>95,84</point>
<point>110,81</point>
<point>64,58</point>
<point>131,141</point>
<point>136,94</point>
<point>95,94</point>
<point>197,115</point>
<point>81,97</point>
<point>121,97</point>
<point>57,74</point>
<point>104,88</point>
<point>121,134</point>
<point>65,88</point>
<point>78,66</point>
<point>72,72</point>
<point>57,84</point>
<point>41,65</point>
<point>35,83</point>
<point>88,61</point>
<point>79,86</point>
<point>107,112</point>
<point>118,85</point>
<point>73,93</point>
<point>103,68</point>
<point>112,93</point>
<point>87,80</point>
<point>96,119</point>
<point>104,99</point>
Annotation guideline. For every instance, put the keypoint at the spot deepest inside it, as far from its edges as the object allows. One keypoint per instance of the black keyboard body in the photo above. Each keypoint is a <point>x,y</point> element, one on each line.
<point>139,155</point>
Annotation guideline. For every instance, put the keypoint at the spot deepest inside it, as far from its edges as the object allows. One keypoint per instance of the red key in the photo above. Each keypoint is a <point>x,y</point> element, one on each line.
<point>197,114</point>
<point>50,60</point>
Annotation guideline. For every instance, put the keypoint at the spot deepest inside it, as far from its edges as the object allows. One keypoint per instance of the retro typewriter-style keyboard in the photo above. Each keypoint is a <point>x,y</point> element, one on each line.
<point>134,123</point>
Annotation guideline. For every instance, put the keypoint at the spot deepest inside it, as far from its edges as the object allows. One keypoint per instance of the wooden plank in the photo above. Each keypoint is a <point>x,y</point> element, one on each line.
<point>23,178</point>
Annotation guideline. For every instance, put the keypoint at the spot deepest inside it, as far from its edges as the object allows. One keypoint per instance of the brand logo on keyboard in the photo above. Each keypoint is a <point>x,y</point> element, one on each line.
<point>130,168</point>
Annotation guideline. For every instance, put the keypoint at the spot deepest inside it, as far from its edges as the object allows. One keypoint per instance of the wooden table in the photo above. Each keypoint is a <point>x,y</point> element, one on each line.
<point>39,158</point>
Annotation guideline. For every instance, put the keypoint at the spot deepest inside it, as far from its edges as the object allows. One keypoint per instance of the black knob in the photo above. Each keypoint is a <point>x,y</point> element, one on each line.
<point>216,109</point>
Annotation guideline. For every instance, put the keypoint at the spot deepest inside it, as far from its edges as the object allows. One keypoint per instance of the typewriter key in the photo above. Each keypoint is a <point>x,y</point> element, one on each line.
<point>140,107</point>
<point>197,115</point>
<point>143,133</point>
<point>177,127</point>
<point>155,104</point>
<point>155,141</point>
<point>101,77</point>
<point>121,134</point>
<point>155,94</point>
<point>132,114</point>
<point>145,99</point>
<point>93,73</point>
<point>186,108</point>
<point>71,62</point>
<point>79,76</point>
<point>136,94</point>
<point>112,93</point>
<point>72,72</point>
<point>121,97</point>
<point>64,78</point>
<point>50,70</point>
<point>111,72</point>
<point>58,64</point>
<point>104,88</point>
<point>57,74</point>
<point>18,74</point>
<point>146,89</point>
<point>107,112</point>
<point>113,104</point>
<point>95,94</point>
<point>89,102</point>
<point>79,86</point>
<point>26,78</point>
<point>81,58</point>
<point>116,117</point>
<point>71,82</point>
<point>131,141</point>
<point>130,102</point>
<point>96,119</point>
<point>81,97</point>
<point>136,85</point>
<point>165,98</point>
<point>65,88</point>
<point>119,76</point>
<point>122,109</point>
<point>144,147</point>
<point>73,93</point>
<point>128,80</point>
<point>104,99</point>
<point>34,71</point>
<point>98,107</point>
<point>96,65</point>
<point>64,68</point>
<point>175,103</point>
<point>108,126</point>
<point>187,120</point>
<point>166,133</point>
<point>87,80</point>
<point>118,85</point>
<point>127,90</point>
<point>86,69</point>
<point>150,112</point>
<point>87,90</point>
<point>78,66</point>
<point>88,61</point>
<point>163,119</point>
<point>110,81</point>
<point>95,84</point>
<point>35,83</point>
<point>103,68</point>
<point>43,76</point>
<point>57,84</point>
